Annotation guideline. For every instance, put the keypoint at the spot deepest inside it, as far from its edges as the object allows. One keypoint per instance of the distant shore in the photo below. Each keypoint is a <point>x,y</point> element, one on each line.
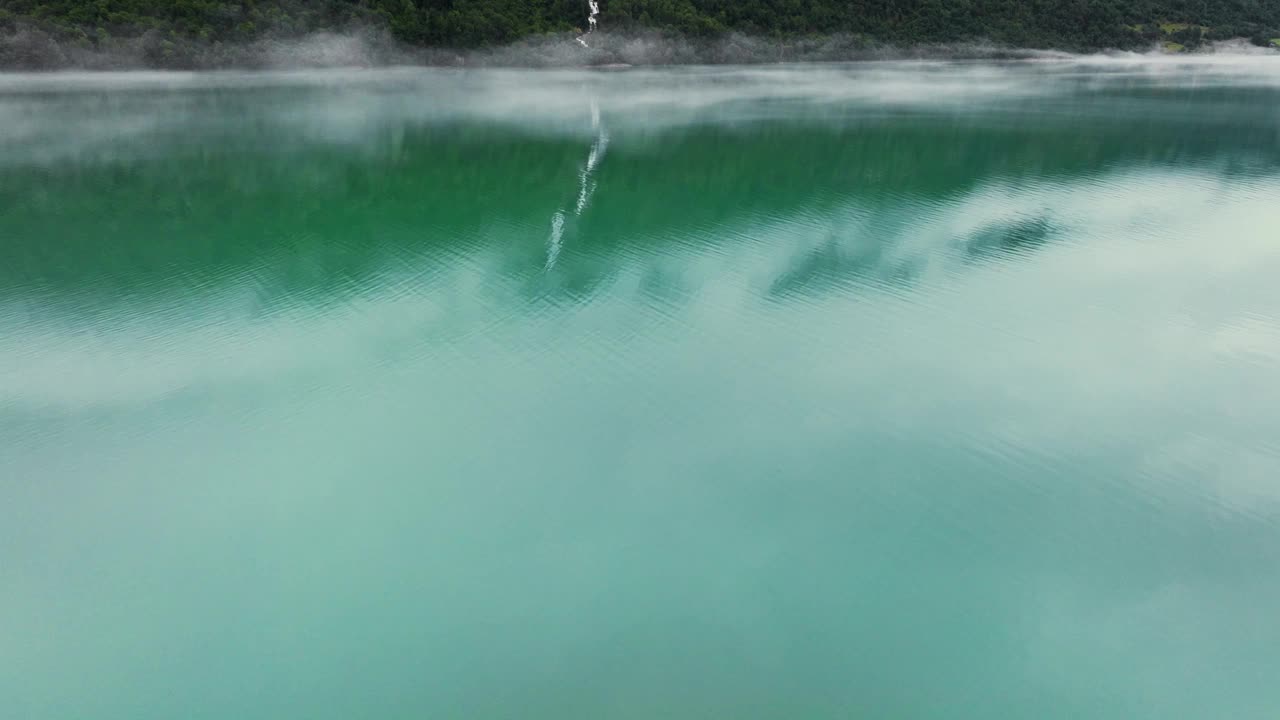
<point>28,49</point>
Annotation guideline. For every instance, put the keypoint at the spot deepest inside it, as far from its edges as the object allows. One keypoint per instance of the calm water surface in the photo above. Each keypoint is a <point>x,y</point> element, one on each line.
<point>883,391</point>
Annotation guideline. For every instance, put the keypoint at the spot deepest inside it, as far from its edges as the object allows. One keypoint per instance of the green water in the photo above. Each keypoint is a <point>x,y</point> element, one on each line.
<point>881,391</point>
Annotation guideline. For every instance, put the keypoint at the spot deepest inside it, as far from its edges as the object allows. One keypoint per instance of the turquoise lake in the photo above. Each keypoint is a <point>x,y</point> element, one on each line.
<point>883,390</point>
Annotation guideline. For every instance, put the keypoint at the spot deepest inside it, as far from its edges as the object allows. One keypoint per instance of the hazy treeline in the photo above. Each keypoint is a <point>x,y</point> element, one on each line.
<point>200,33</point>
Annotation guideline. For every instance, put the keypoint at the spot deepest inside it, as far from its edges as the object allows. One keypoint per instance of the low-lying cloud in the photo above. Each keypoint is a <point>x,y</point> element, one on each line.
<point>29,48</point>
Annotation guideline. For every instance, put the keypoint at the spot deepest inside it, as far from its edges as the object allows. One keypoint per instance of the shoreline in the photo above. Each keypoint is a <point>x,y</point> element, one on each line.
<point>373,49</point>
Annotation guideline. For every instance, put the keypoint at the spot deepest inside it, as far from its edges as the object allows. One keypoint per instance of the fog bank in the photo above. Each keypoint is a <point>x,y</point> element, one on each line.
<point>31,49</point>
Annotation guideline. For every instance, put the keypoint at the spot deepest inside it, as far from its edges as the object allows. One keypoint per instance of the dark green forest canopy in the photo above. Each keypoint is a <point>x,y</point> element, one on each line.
<point>1066,24</point>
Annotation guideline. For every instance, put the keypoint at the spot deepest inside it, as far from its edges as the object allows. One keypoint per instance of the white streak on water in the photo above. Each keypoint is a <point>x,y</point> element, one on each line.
<point>586,187</point>
<point>557,238</point>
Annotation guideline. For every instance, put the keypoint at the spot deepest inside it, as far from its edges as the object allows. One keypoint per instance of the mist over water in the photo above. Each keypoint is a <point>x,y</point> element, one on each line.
<point>910,389</point>
<point>30,49</point>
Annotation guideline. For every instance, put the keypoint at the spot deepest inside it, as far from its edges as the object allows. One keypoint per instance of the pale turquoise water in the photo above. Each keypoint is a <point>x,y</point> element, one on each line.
<point>885,391</point>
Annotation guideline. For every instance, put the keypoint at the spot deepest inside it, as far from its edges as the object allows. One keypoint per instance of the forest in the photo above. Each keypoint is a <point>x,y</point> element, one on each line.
<point>1075,25</point>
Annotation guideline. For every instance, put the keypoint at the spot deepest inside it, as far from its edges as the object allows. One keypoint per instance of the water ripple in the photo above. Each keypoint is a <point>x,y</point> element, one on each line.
<point>837,391</point>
